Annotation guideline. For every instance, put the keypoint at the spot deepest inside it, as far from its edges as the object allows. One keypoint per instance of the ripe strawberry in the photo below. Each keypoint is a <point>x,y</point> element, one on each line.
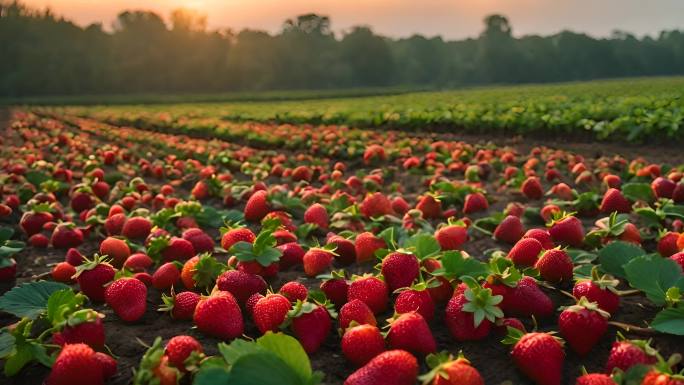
<point>76,364</point>
<point>240,284</point>
<point>374,154</point>
<point>62,272</point>
<point>447,370</point>
<point>270,312</point>
<point>542,236</point>
<point>400,269</point>
<point>233,236</point>
<point>410,331</point>
<point>251,302</point>
<point>657,377</point>
<point>595,379</point>
<point>293,254</point>
<point>371,290</point>
<point>583,325</point>
<point>475,202</point>
<point>311,324</point>
<point>257,206</point>
<point>667,244</point>
<point>471,311</point>
<point>302,173</point>
<point>201,241</point>
<point>430,207</point>
<point>178,249</point>
<point>138,262</point>
<point>39,241</point>
<point>107,363</point>
<point>510,230</point>
<point>361,343</point>
<point>600,290</point>
<point>526,299</point>
<point>539,356</point>
<point>182,305</point>
<point>663,187</point>
<point>627,353</point>
<point>88,330</point>
<point>294,291</point>
<point>679,258</point>
<point>116,249</point>
<point>92,276</point>
<point>219,315</point>
<point>114,224</point>
<point>393,367</point>
<point>613,200</point>
<point>136,228</point>
<point>179,348</point>
<point>548,211</point>
<point>375,205</point>
<point>451,237</point>
<point>66,235</point>
<point>32,221</point>
<point>128,298</point>
<point>532,188</point>
<point>317,260</point>
<point>344,249</point>
<point>74,257</point>
<point>555,265</point>
<point>317,215</point>
<point>418,299</point>
<point>166,276</point>
<point>5,211</point>
<point>525,252</point>
<point>335,287</point>
<point>356,311</point>
<point>400,206</point>
<point>366,245</point>
<point>562,191</point>
<point>567,230</point>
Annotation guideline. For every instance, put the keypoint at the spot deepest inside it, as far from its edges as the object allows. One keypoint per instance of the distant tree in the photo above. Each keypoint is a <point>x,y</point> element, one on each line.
<point>368,57</point>
<point>309,23</point>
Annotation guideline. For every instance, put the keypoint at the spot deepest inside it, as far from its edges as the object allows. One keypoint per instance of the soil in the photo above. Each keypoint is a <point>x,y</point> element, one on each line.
<point>489,356</point>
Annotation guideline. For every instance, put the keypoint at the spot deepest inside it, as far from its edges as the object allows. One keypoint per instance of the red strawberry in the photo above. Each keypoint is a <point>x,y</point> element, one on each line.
<point>233,236</point>
<point>62,272</point>
<point>366,245</point>
<point>107,363</point>
<point>201,241</point>
<point>251,302</point>
<point>679,258</point>
<point>663,187</point>
<point>114,224</point>
<point>116,249</point>
<point>375,205</point>
<point>539,356</point>
<point>178,249</point>
<point>510,230</point>
<point>317,215</point>
<point>128,298</point>
<point>39,241</point>
<point>656,377</point>
<point>451,237</point>
<point>344,248</point>
<point>270,312</point>
<point>74,257</point>
<point>525,252</point>
<point>76,364</point>
<point>317,260</point>
<point>5,211</point>
<point>219,316</point>
<point>475,202</point>
<point>179,348</point>
<point>471,311</point>
<point>600,290</point>
<point>567,230</point>
<point>293,254</point>
<point>555,265</point>
<point>532,188</point>
<point>400,269</point>
<point>542,236</point>
<point>394,367</point>
<point>361,343</point>
<point>583,325</point>
<point>336,288</point>
<point>66,235</point>
<point>136,228</point>
<point>417,299</point>
<point>526,299</point>
<point>92,276</point>
<point>301,173</point>
<point>595,379</point>
<point>356,311</point>
<point>311,324</point>
<point>166,276</point>
<point>372,291</point>
<point>430,207</point>
<point>627,353</point>
<point>613,200</point>
<point>240,284</point>
<point>182,305</point>
<point>447,370</point>
<point>410,331</point>
<point>90,331</point>
<point>32,221</point>
<point>400,206</point>
<point>667,244</point>
<point>294,291</point>
<point>257,206</point>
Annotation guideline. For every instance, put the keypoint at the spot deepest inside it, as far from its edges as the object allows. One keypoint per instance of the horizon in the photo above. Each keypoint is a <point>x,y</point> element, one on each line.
<point>400,18</point>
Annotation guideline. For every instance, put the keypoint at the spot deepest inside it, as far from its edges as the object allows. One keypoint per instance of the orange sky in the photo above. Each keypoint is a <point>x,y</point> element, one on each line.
<point>398,18</point>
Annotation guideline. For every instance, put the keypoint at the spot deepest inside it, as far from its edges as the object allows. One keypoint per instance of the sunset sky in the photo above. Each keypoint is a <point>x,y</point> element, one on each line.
<point>453,19</point>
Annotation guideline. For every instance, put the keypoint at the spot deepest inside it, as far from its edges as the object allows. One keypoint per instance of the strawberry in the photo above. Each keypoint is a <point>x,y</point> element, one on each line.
<point>317,214</point>
<point>471,311</point>
<point>526,299</point>
<point>136,228</point>
<point>679,258</point>
<point>32,221</point>
<point>447,370</point>
<point>201,241</point>
<point>116,249</point>
<point>235,235</point>
<point>665,377</point>
<point>532,188</point>
<point>155,367</point>
<point>399,269</point>
<point>257,206</point>
<point>344,249</point>
<point>178,249</point>
<point>251,302</point>
<point>219,315</point>
<point>525,252</point>
<point>270,312</point>
<point>601,290</point>
<point>39,241</point>
<point>92,276</point>
<point>114,224</point>
<point>567,230</point>
<point>317,260</point>
<point>179,348</point>
<point>410,331</point>
<point>374,154</point>
<point>74,257</point>
<point>614,201</point>
<point>366,245</point>
<point>201,271</point>
<point>240,284</point>
<point>5,211</point>
<point>311,324</point>
<point>371,290</point>
<point>475,202</point>
<point>360,343</point>
<point>128,298</point>
<point>182,305</point>
<point>302,173</point>
<point>393,367</point>
<point>356,311</point>
<point>87,328</point>
<point>631,234</point>
<point>294,291</point>
<point>549,211</point>
<point>667,244</point>
<point>166,276</point>
<point>510,230</point>
<point>627,353</point>
<point>562,191</point>
<point>451,237</point>
<point>583,325</point>
<point>259,257</point>
<point>539,356</point>
<point>138,262</point>
<point>107,363</point>
<point>376,205</point>
<point>663,187</point>
<point>430,207</point>
<point>76,364</point>
<point>400,206</point>
<point>293,254</point>
<point>595,379</point>
<point>555,265</point>
<point>62,272</point>
<point>612,181</point>
<point>416,298</point>
<point>335,287</point>
<point>66,235</point>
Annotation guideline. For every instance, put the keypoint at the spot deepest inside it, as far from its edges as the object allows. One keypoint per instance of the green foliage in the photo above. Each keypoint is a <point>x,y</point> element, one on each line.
<point>29,299</point>
<point>616,255</point>
<point>654,275</point>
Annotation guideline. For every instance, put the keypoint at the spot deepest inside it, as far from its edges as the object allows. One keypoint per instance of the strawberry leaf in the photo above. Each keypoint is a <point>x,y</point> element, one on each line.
<point>290,351</point>
<point>654,275</point>
<point>670,321</point>
<point>29,299</point>
<point>638,192</point>
<point>62,303</point>
<point>423,245</point>
<point>615,255</point>
<point>455,265</point>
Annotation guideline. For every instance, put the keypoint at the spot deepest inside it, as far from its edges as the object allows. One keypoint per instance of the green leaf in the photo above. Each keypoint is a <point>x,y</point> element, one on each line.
<point>36,177</point>
<point>456,265</point>
<point>638,192</point>
<point>22,355</point>
<point>211,375</point>
<point>61,303</point>
<point>236,349</point>
<point>6,344</point>
<point>615,255</point>
<point>289,350</point>
<point>654,275</point>
<point>263,368</point>
<point>29,299</point>
<point>6,233</point>
<point>670,321</point>
<point>423,245</point>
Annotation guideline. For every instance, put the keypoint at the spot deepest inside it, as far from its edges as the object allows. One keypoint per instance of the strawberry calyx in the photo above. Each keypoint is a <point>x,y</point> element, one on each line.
<point>559,217</point>
<point>335,274</point>
<point>503,272</point>
<point>438,362</point>
<point>150,362</point>
<point>207,270</point>
<point>420,286</point>
<point>481,302</point>
<point>82,316</point>
<point>90,264</point>
<point>644,345</point>
<point>168,302</point>
<point>585,304</point>
<point>262,250</point>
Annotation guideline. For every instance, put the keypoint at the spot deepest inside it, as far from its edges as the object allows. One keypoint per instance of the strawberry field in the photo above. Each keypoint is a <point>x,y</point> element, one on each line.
<point>347,241</point>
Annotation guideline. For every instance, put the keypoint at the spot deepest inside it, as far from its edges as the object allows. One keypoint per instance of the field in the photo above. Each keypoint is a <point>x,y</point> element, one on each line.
<point>300,241</point>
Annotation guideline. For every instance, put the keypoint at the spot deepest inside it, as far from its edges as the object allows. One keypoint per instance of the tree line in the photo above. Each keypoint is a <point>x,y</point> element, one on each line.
<point>44,54</point>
